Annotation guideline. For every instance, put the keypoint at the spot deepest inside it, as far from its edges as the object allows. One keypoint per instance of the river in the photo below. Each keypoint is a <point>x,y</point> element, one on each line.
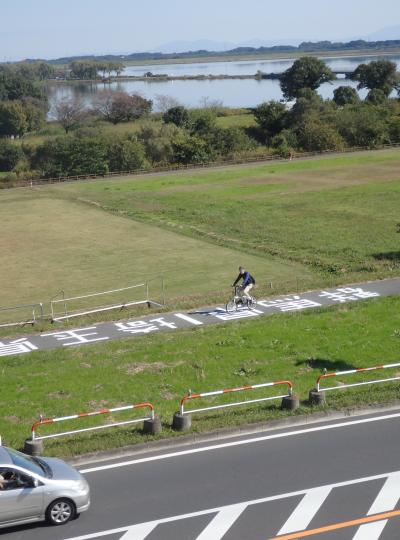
<point>191,93</point>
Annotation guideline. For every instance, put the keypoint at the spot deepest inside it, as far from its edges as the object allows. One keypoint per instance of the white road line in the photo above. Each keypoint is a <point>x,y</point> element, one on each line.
<point>139,532</point>
<point>305,510</point>
<point>387,499</point>
<point>240,442</point>
<point>222,522</point>
<point>142,526</point>
<point>187,318</point>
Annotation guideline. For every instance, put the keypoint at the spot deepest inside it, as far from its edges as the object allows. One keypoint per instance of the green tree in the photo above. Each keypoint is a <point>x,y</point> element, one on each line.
<point>191,150</point>
<point>10,154</point>
<point>45,71</point>
<point>379,74</point>
<point>394,129</point>
<point>81,69</point>
<point>281,145</point>
<point>35,112</point>
<point>230,141</point>
<point>13,121</point>
<point>316,136</point>
<point>125,154</point>
<point>309,105</point>
<point>345,95</point>
<point>271,117</point>
<point>121,107</point>
<point>158,141</point>
<point>178,115</point>
<point>376,96</point>
<point>25,70</point>
<point>363,125</point>
<point>69,156</point>
<point>13,86</point>
<point>115,67</point>
<point>202,122</point>
<point>306,72</point>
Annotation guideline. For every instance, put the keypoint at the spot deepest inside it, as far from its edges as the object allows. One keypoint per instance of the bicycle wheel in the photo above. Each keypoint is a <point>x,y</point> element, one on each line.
<point>231,306</point>
<point>252,303</point>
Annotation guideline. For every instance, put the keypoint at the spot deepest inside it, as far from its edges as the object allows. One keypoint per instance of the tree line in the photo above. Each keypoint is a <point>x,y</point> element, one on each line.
<point>91,69</point>
<point>304,47</point>
<point>23,103</point>
<point>77,69</point>
<point>189,136</point>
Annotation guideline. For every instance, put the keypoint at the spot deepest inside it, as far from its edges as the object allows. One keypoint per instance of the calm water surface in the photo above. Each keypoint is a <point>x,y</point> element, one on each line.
<point>232,92</point>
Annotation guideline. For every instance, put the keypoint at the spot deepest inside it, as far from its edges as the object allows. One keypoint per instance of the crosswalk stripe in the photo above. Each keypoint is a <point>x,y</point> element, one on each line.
<point>139,532</point>
<point>306,510</point>
<point>222,522</point>
<point>388,496</point>
<point>370,531</point>
<point>386,500</point>
<point>235,510</point>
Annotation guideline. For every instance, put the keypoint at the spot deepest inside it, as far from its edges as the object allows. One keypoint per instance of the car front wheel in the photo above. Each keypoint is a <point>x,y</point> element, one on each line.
<point>60,511</point>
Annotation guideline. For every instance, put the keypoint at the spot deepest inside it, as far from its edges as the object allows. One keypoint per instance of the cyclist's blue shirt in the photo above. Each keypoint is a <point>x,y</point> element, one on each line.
<point>247,279</point>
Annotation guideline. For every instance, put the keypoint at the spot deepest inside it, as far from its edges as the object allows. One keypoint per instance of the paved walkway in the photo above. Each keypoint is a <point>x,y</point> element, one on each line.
<point>179,320</point>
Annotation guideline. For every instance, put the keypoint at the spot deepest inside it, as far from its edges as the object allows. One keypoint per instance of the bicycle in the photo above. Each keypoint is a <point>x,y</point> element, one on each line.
<point>239,301</point>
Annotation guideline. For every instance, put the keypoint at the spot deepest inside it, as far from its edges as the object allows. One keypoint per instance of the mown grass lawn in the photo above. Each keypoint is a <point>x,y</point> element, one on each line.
<point>335,216</point>
<point>314,222</point>
<point>161,369</point>
<point>50,242</point>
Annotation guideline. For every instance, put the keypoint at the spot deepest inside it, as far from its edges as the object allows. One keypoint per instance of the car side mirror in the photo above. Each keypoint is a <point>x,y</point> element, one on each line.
<point>34,483</point>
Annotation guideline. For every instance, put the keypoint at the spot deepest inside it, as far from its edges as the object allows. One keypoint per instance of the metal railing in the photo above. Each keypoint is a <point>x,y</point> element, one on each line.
<point>31,308</point>
<point>44,421</point>
<point>233,390</point>
<point>177,167</point>
<point>70,313</point>
<point>351,372</point>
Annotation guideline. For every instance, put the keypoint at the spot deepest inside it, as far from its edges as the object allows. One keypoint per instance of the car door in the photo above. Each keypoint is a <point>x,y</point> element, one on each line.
<point>20,498</point>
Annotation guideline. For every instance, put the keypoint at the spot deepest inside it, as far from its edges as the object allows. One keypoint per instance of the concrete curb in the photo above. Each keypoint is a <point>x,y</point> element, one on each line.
<point>225,433</point>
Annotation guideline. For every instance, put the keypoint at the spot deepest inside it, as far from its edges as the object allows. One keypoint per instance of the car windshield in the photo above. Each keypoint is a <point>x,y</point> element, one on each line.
<point>32,464</point>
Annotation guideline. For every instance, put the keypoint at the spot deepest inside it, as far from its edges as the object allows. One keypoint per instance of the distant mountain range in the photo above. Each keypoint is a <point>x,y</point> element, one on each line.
<point>209,45</point>
<point>206,48</point>
<point>389,33</point>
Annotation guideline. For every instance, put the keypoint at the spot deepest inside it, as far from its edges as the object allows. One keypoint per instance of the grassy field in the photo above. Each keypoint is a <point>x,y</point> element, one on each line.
<point>54,129</point>
<point>161,369</point>
<point>237,120</point>
<point>336,215</point>
<point>53,242</point>
<point>320,221</point>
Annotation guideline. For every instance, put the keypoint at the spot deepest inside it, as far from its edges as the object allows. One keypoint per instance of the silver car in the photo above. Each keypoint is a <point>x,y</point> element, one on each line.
<point>38,488</point>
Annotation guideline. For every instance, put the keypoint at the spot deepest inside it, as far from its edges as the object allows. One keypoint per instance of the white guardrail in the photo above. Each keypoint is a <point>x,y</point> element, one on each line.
<point>232,390</point>
<point>35,311</point>
<point>351,372</point>
<point>44,421</point>
<point>69,313</point>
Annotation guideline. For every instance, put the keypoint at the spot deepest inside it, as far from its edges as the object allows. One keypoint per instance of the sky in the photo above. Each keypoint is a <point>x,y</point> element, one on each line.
<point>56,28</point>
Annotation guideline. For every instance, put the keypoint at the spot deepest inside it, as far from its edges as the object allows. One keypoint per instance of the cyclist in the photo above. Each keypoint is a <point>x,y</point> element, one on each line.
<point>248,281</point>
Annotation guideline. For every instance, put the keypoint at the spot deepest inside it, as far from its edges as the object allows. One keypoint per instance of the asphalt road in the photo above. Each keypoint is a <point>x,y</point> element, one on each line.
<point>336,480</point>
<point>193,319</point>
